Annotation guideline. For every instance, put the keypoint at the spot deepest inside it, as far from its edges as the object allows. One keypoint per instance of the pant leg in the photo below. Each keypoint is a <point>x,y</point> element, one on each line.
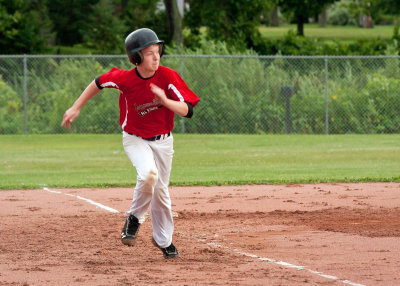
<point>142,158</point>
<point>160,207</point>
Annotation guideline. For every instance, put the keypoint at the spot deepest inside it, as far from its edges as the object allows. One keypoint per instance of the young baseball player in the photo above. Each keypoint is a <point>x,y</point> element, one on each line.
<point>150,95</point>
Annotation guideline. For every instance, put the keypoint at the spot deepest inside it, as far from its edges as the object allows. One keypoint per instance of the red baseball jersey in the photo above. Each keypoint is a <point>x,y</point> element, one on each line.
<point>140,113</point>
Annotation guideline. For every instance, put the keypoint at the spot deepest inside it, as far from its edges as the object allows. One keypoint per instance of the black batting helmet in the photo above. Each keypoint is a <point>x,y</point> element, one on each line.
<point>138,40</point>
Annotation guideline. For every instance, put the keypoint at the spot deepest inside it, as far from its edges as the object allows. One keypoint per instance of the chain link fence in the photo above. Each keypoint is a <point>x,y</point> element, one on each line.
<point>239,94</point>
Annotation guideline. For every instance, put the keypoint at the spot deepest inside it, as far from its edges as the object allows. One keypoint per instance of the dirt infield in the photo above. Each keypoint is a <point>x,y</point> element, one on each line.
<point>309,234</point>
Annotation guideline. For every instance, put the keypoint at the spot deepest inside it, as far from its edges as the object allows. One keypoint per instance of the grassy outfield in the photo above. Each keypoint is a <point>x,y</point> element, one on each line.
<point>331,32</point>
<point>34,161</point>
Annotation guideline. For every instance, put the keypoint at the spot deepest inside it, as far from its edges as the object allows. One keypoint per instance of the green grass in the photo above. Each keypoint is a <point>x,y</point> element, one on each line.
<point>66,50</point>
<point>34,161</point>
<point>331,32</point>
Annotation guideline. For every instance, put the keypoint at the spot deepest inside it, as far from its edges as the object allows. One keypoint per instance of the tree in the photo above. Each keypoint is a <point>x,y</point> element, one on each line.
<point>175,12</point>
<point>302,10</point>
<point>69,19</point>
<point>22,26</point>
<point>145,14</point>
<point>392,6</point>
<point>104,24</point>
<point>374,8</point>
<point>275,17</point>
<point>323,17</point>
<point>365,11</point>
<point>234,21</point>
<point>106,33</point>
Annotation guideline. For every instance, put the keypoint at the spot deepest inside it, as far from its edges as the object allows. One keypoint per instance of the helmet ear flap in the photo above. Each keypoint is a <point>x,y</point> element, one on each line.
<point>161,49</point>
<point>137,58</point>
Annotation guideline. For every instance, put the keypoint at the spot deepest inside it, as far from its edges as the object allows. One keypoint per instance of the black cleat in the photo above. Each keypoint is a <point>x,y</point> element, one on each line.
<point>130,230</point>
<point>169,252</point>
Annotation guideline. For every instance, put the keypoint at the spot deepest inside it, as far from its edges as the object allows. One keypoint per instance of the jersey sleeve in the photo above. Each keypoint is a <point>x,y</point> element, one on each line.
<point>109,79</point>
<point>179,90</point>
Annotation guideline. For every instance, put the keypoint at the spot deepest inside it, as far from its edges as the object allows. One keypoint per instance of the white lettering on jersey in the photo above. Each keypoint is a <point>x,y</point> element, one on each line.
<point>176,91</point>
<point>111,84</point>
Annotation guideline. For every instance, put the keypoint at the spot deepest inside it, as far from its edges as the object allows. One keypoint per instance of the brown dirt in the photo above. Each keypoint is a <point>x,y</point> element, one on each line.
<point>309,234</point>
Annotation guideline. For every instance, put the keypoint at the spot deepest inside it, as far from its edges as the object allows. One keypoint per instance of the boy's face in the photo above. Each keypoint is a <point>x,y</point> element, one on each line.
<point>151,58</point>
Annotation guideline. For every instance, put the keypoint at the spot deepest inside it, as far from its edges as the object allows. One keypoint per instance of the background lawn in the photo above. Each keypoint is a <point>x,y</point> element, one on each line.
<point>331,32</point>
<point>34,161</point>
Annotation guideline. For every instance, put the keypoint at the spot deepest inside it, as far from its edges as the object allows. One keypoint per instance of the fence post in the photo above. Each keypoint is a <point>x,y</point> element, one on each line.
<point>25,95</point>
<point>326,97</point>
<point>287,92</point>
<point>182,118</point>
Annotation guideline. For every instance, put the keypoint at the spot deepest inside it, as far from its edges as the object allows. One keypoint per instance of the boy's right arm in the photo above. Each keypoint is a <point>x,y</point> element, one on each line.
<point>72,113</point>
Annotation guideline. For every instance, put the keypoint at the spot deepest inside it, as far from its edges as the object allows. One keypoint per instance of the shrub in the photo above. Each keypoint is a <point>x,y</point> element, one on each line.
<point>338,14</point>
<point>239,94</point>
<point>11,110</point>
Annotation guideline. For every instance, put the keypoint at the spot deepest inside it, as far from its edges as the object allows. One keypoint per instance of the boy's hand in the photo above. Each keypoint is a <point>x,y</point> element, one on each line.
<point>158,93</point>
<point>178,107</point>
<point>69,117</point>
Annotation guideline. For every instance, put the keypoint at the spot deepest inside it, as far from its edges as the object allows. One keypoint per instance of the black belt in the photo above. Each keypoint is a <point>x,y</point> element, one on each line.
<point>154,138</point>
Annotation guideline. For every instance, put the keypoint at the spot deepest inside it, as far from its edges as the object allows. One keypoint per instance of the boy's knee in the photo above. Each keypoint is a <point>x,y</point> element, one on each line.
<point>151,178</point>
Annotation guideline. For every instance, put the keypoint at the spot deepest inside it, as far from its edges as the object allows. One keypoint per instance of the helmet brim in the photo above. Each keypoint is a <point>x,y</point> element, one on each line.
<point>133,51</point>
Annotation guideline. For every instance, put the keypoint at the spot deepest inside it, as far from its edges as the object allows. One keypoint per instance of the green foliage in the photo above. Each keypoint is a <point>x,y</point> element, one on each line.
<point>21,27</point>
<point>69,19</point>
<point>302,10</point>
<point>54,84</point>
<point>11,110</point>
<point>396,30</point>
<point>366,102</point>
<point>365,7</point>
<point>229,89</point>
<point>106,33</point>
<point>235,22</point>
<point>291,44</point>
<point>41,26</point>
<point>243,95</point>
<point>239,94</point>
<point>389,6</point>
<point>102,25</point>
<point>145,13</point>
<point>339,14</point>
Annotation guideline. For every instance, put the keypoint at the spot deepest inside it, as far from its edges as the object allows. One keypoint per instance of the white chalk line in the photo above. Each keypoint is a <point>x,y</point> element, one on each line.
<point>84,199</point>
<point>217,245</point>
<point>281,263</point>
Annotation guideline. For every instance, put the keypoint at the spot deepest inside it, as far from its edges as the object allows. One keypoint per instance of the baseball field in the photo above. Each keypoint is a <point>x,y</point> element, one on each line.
<point>249,210</point>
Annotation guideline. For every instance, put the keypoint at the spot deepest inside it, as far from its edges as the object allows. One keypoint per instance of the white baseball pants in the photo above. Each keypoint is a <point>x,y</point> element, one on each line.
<point>153,162</point>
